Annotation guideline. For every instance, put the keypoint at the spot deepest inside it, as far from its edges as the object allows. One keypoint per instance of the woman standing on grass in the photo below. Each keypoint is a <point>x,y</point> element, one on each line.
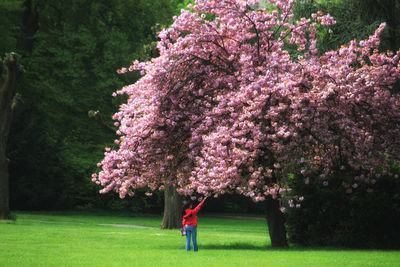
<point>189,222</point>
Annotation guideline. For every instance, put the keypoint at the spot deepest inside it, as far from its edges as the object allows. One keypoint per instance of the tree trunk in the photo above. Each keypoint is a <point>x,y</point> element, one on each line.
<point>172,209</point>
<point>276,223</point>
<point>8,99</point>
<point>4,189</point>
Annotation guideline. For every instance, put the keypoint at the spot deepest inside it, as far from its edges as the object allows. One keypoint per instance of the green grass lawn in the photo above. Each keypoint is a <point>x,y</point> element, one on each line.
<point>76,239</point>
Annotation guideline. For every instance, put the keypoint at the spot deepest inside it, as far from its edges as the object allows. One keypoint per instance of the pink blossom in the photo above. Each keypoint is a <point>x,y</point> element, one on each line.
<point>122,71</point>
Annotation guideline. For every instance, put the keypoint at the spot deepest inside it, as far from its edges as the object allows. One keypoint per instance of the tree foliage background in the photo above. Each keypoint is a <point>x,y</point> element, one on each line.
<point>71,51</point>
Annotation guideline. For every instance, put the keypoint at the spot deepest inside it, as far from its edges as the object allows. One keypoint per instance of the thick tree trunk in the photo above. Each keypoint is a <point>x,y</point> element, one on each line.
<point>276,223</point>
<point>172,209</point>
<point>8,101</point>
<point>4,194</point>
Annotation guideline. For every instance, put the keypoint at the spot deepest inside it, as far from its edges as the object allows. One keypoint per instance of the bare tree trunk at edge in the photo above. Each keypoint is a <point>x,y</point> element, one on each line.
<point>172,209</point>
<point>276,223</point>
<point>8,101</point>
<point>4,191</point>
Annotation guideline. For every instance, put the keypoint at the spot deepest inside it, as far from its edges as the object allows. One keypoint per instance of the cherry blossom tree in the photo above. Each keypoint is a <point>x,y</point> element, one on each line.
<point>226,108</point>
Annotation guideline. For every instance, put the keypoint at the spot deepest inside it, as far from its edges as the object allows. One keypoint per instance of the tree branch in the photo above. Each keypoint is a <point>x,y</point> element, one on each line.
<point>95,115</point>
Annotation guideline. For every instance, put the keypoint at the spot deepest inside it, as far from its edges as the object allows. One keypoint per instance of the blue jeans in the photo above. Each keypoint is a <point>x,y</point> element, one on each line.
<point>191,232</point>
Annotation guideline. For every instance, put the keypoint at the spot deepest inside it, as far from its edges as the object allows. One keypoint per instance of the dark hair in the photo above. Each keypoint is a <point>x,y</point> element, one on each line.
<point>186,205</point>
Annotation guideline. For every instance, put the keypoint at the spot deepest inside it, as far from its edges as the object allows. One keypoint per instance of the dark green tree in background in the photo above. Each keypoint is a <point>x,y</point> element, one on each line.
<point>9,25</point>
<point>71,51</point>
<point>355,19</point>
<point>369,219</point>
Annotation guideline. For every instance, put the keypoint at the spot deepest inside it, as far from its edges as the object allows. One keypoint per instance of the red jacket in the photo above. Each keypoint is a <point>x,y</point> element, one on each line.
<point>190,217</point>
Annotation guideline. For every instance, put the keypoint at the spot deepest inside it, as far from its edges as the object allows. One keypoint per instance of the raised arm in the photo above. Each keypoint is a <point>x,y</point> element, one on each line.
<point>197,209</point>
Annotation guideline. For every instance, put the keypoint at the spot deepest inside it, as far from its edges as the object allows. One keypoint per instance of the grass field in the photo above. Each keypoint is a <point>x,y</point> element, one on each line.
<point>76,239</point>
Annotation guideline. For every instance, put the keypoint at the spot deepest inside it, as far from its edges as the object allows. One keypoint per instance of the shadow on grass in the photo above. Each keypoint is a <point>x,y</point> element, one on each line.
<point>249,246</point>
<point>235,246</point>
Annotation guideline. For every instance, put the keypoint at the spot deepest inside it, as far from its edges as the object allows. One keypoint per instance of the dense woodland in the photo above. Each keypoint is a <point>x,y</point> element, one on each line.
<point>70,52</point>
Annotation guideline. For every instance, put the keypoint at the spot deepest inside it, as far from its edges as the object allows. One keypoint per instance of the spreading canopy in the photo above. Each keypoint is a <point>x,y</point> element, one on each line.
<point>240,97</point>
